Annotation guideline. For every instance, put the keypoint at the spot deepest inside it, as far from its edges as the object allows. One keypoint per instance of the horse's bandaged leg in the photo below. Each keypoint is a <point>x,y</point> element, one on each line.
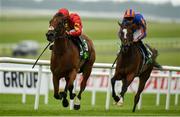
<point>71,104</point>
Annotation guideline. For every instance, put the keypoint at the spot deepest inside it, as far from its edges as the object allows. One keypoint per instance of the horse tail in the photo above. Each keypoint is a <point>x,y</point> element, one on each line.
<point>154,56</point>
<point>154,51</point>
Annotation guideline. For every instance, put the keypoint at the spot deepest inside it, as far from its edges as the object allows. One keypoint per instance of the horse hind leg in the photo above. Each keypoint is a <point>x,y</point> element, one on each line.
<point>78,98</point>
<point>142,81</point>
<point>86,73</point>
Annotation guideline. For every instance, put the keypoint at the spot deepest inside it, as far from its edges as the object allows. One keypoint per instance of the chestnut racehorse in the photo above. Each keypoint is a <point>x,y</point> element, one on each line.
<point>130,64</point>
<point>66,61</point>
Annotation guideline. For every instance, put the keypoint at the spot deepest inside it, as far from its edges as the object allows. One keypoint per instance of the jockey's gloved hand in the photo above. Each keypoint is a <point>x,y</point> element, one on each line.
<point>68,33</point>
<point>137,35</point>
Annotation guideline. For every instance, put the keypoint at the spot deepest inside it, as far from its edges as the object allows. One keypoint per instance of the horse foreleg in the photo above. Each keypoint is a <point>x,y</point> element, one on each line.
<point>124,87</point>
<point>69,86</point>
<point>125,83</point>
<point>113,81</point>
<point>56,87</point>
<point>64,93</point>
<point>142,81</point>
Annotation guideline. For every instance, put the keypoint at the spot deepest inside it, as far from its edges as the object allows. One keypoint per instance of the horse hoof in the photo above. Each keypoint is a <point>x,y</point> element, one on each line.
<point>76,107</point>
<point>114,103</point>
<point>134,109</point>
<point>56,96</point>
<point>72,96</point>
<point>62,95</point>
<point>65,103</point>
<point>120,102</point>
<point>116,99</point>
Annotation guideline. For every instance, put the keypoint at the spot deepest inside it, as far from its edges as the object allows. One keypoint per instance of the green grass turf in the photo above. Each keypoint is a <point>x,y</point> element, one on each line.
<point>10,104</point>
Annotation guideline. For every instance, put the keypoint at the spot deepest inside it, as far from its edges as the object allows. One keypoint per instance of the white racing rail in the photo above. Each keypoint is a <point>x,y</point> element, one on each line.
<point>41,63</point>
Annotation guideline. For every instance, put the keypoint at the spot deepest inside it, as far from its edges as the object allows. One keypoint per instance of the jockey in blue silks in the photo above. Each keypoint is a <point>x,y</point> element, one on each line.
<point>130,17</point>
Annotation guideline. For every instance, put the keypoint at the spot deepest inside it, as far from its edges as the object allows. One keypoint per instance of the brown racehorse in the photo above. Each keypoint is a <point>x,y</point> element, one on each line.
<point>65,60</point>
<point>130,65</point>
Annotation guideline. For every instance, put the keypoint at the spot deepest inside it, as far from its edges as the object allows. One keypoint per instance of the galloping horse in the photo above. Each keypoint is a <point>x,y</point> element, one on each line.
<point>66,61</point>
<point>130,64</point>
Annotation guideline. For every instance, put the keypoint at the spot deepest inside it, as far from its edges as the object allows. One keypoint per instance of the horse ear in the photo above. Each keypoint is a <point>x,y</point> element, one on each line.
<point>119,23</point>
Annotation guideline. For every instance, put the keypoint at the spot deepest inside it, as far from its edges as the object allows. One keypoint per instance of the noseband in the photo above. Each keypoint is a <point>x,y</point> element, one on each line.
<point>126,43</point>
<point>59,31</point>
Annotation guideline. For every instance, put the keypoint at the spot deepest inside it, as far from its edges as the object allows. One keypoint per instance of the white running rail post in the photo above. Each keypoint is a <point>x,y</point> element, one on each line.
<point>158,92</point>
<point>38,88</point>
<point>108,89</point>
<point>168,91</point>
<point>24,88</point>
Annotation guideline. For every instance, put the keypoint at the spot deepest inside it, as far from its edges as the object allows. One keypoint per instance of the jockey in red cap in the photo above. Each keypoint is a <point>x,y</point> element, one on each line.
<point>64,11</point>
<point>74,29</point>
<point>130,17</point>
<point>75,22</point>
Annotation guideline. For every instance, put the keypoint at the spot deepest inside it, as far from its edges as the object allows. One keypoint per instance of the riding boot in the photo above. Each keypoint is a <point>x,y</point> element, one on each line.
<point>147,55</point>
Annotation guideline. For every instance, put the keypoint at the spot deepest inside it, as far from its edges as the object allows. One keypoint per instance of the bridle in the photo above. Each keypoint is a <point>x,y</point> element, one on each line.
<point>57,33</point>
<point>126,37</point>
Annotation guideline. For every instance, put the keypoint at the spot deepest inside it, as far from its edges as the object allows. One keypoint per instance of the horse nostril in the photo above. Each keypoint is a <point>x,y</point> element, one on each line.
<point>49,36</point>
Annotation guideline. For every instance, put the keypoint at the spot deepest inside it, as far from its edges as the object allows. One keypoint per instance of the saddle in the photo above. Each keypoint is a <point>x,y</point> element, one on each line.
<point>82,47</point>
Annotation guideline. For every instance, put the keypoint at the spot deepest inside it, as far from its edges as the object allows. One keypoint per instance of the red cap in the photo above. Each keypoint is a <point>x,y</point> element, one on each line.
<point>64,11</point>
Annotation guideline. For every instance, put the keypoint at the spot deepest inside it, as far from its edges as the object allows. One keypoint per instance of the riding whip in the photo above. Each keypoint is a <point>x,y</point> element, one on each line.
<point>115,61</point>
<point>41,54</point>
